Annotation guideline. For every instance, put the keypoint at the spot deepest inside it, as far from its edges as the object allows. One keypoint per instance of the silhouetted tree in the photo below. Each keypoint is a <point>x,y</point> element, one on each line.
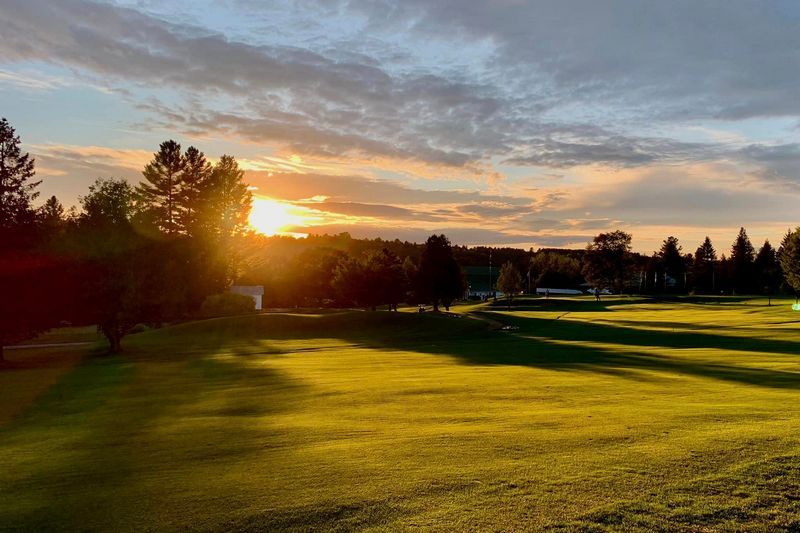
<point>509,281</point>
<point>705,259</point>
<point>229,197</point>
<point>194,190</point>
<point>789,258</point>
<point>110,203</point>
<point>672,261</point>
<point>608,260</point>
<point>227,204</point>
<point>375,279</point>
<point>410,272</point>
<point>17,187</point>
<point>125,278</point>
<point>550,269</point>
<point>767,270</point>
<point>742,258</point>
<point>439,280</point>
<point>27,275</point>
<point>160,193</point>
<point>309,276</point>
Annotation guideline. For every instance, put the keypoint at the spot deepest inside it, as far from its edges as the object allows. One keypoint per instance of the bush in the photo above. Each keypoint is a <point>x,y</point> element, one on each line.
<point>227,304</point>
<point>138,328</point>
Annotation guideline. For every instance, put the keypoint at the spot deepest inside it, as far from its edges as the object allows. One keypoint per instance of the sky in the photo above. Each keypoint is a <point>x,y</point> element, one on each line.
<point>497,122</point>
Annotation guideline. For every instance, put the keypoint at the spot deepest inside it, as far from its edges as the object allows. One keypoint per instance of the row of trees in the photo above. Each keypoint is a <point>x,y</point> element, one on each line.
<point>610,263</point>
<point>130,255</point>
<point>156,251</point>
<point>322,275</point>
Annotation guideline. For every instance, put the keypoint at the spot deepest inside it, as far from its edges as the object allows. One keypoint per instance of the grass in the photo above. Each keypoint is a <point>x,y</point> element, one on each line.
<point>623,414</point>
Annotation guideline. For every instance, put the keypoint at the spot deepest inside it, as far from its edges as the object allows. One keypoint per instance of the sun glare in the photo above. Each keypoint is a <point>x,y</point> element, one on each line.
<point>272,218</point>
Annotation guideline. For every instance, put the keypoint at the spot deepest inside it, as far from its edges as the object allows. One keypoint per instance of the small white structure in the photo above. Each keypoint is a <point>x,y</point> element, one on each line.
<point>256,292</point>
<point>544,290</point>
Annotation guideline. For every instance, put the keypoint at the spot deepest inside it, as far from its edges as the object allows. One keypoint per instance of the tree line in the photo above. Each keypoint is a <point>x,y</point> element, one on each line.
<point>131,254</point>
<point>610,263</point>
<point>159,250</point>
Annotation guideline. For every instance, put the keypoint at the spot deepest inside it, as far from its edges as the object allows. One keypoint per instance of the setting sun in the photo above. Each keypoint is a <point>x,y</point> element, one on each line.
<point>271,218</point>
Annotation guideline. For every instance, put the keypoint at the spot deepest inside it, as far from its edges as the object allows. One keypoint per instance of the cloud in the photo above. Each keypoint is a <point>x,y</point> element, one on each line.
<point>548,120</point>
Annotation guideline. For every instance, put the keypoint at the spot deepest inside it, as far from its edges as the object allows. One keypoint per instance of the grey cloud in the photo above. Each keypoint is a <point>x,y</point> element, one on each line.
<point>342,102</point>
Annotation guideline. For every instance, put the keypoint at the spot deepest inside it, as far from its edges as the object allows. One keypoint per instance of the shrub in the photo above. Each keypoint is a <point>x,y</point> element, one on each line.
<point>227,304</point>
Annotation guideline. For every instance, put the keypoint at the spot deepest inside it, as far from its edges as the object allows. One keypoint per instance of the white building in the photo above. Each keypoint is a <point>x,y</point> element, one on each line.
<point>256,292</point>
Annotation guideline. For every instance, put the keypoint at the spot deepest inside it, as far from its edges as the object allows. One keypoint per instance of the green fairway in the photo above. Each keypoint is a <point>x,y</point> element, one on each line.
<point>623,414</point>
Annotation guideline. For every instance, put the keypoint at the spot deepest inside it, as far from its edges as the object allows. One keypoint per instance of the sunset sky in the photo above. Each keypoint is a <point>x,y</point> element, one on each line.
<point>499,122</point>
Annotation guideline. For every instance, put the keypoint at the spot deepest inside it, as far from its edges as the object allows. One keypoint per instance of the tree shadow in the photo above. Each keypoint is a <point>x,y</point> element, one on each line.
<point>566,345</point>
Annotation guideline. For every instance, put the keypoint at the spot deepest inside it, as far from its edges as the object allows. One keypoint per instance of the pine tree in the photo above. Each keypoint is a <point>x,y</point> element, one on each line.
<point>51,214</point>
<point>672,260</point>
<point>160,193</point>
<point>789,258</point>
<point>17,190</point>
<point>767,270</point>
<point>705,259</point>
<point>195,182</point>
<point>742,258</point>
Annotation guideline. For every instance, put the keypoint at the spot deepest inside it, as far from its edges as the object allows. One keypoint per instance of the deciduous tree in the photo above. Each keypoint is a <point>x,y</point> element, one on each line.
<point>439,280</point>
<point>608,260</point>
<point>509,281</point>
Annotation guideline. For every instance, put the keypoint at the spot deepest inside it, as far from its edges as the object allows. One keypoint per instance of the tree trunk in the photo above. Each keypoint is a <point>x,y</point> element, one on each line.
<point>114,337</point>
<point>435,306</point>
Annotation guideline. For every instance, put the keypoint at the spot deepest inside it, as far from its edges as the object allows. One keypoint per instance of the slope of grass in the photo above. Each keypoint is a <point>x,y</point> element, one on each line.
<point>623,414</point>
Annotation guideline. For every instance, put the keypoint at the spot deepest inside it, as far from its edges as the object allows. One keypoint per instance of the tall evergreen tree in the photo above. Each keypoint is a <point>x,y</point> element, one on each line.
<point>767,270</point>
<point>703,271</point>
<point>789,258</point>
<point>195,183</point>
<point>17,188</point>
<point>742,258</point>
<point>160,193</point>
<point>51,214</point>
<point>672,261</point>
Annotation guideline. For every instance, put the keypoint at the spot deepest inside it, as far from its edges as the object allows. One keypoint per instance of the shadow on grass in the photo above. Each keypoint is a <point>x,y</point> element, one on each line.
<point>564,345</point>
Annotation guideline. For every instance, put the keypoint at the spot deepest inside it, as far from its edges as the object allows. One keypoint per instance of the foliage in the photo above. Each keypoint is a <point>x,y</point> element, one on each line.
<point>789,258</point>
<point>705,259</point>
<point>555,270</point>
<point>672,261</point>
<point>509,281</point>
<point>227,304</point>
<point>17,188</point>
<point>376,279</point>
<point>109,203</point>
<point>439,279</point>
<point>767,270</point>
<point>608,260</point>
<point>742,262</point>
<point>160,193</point>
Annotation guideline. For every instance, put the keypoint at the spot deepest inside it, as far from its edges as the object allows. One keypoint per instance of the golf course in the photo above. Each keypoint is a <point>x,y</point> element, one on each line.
<point>560,413</point>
